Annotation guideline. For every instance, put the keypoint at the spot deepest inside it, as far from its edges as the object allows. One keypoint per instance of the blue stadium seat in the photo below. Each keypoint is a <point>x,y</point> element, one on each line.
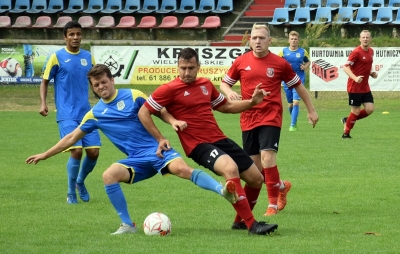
<point>355,4</point>
<point>113,6</point>
<point>344,15</point>
<point>94,6</point>
<point>167,6</point>
<point>397,20</point>
<point>334,4</point>
<point>55,6</point>
<point>74,6</point>
<point>5,6</point>
<point>149,6</point>
<point>131,6</point>
<point>281,16</point>
<point>313,4</point>
<point>292,4</point>
<point>383,16</point>
<point>224,6</point>
<point>364,15</point>
<point>38,6</point>
<point>301,16</point>
<point>187,6</point>
<point>323,16</point>
<point>205,6</point>
<point>21,6</point>
<point>376,4</point>
<point>395,4</point>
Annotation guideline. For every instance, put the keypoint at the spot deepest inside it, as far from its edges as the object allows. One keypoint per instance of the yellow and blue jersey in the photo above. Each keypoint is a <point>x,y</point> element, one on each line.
<point>296,58</point>
<point>118,120</point>
<point>71,85</point>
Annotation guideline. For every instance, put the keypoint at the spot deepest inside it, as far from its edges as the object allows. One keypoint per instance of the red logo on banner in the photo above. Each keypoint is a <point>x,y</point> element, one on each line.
<point>324,70</point>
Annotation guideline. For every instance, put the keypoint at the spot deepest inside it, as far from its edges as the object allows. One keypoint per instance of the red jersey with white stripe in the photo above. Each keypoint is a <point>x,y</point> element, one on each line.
<point>192,103</point>
<point>360,62</point>
<point>270,70</point>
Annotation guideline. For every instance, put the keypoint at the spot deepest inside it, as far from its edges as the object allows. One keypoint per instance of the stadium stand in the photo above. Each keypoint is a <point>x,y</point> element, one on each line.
<point>5,21</point>
<point>168,6</point>
<point>281,16</point>
<point>43,22</point>
<point>74,6</point>
<point>38,6</point>
<point>334,4</point>
<point>106,22</point>
<point>94,6</point>
<point>323,16</point>
<point>395,4</point>
<point>301,16</point>
<point>355,4</point>
<point>345,15</point>
<point>205,6</point>
<point>54,6</point>
<point>21,6</point>
<point>131,6</point>
<point>224,6</point>
<point>61,21</point>
<point>149,6</point>
<point>112,6</point>
<point>376,4</point>
<point>313,4</point>
<point>5,6</point>
<point>23,22</point>
<point>127,22</point>
<point>383,16</point>
<point>86,21</point>
<point>169,22</point>
<point>292,4</point>
<point>187,6</point>
<point>190,22</point>
<point>364,16</point>
<point>397,19</point>
<point>211,22</point>
<point>148,22</point>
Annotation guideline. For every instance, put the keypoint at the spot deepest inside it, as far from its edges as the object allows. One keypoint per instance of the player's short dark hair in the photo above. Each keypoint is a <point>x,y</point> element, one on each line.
<point>71,24</point>
<point>98,70</point>
<point>187,54</point>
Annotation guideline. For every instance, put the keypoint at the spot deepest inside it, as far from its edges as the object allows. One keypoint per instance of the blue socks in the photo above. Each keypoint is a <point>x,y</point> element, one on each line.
<point>72,172</point>
<point>295,114</point>
<point>87,167</point>
<point>118,200</point>
<point>205,181</point>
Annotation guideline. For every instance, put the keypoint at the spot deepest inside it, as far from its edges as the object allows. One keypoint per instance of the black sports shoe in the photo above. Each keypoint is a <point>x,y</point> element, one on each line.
<point>262,228</point>
<point>239,225</point>
<point>344,119</point>
<point>346,136</point>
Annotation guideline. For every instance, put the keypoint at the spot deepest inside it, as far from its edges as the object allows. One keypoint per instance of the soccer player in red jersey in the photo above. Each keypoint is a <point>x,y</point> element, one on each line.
<point>190,101</point>
<point>359,67</point>
<point>261,125</point>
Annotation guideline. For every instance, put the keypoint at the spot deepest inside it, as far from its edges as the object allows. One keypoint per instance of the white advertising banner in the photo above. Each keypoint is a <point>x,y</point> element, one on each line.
<point>156,65</point>
<point>326,69</point>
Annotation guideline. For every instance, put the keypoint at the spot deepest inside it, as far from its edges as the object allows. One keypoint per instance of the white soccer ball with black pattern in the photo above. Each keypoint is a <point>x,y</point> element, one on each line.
<point>157,224</point>
<point>10,67</point>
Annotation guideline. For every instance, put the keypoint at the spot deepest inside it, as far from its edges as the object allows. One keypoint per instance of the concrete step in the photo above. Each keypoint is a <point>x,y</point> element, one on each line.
<point>269,13</point>
<point>254,19</point>
<point>226,43</point>
<point>241,30</point>
<point>263,7</point>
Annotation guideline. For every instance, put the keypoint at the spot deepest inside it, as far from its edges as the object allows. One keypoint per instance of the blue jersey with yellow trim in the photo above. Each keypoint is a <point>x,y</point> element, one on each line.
<point>118,120</point>
<point>71,85</point>
<point>296,58</point>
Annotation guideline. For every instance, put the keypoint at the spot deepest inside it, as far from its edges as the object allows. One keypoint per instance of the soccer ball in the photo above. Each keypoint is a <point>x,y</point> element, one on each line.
<point>11,67</point>
<point>157,224</point>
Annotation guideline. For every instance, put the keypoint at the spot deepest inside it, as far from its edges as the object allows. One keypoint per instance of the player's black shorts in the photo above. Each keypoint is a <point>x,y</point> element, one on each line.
<point>356,99</point>
<point>261,138</point>
<point>206,154</point>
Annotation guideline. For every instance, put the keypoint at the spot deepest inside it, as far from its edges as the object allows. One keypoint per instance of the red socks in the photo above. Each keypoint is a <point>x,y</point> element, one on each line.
<point>252,196</point>
<point>242,206</point>
<point>272,180</point>
<point>363,114</point>
<point>352,118</point>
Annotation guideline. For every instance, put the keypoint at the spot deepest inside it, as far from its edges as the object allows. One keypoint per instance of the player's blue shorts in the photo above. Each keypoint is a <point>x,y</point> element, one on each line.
<point>147,164</point>
<point>90,140</point>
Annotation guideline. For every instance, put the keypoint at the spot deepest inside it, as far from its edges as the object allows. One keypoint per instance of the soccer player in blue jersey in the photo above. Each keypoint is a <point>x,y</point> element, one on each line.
<point>69,67</point>
<point>116,115</point>
<point>299,60</point>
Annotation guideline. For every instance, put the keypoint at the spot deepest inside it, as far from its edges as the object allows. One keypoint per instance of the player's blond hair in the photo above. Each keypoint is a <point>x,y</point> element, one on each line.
<point>366,31</point>
<point>261,26</point>
<point>294,33</point>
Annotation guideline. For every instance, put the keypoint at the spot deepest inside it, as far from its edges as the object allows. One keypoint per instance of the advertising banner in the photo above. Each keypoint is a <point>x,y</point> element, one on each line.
<point>326,69</point>
<point>23,64</point>
<point>156,65</point>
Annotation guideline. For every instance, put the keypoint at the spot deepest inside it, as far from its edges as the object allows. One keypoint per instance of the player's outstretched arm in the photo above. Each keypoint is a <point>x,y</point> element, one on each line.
<point>63,144</point>
<point>229,93</point>
<point>312,114</point>
<point>44,111</point>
